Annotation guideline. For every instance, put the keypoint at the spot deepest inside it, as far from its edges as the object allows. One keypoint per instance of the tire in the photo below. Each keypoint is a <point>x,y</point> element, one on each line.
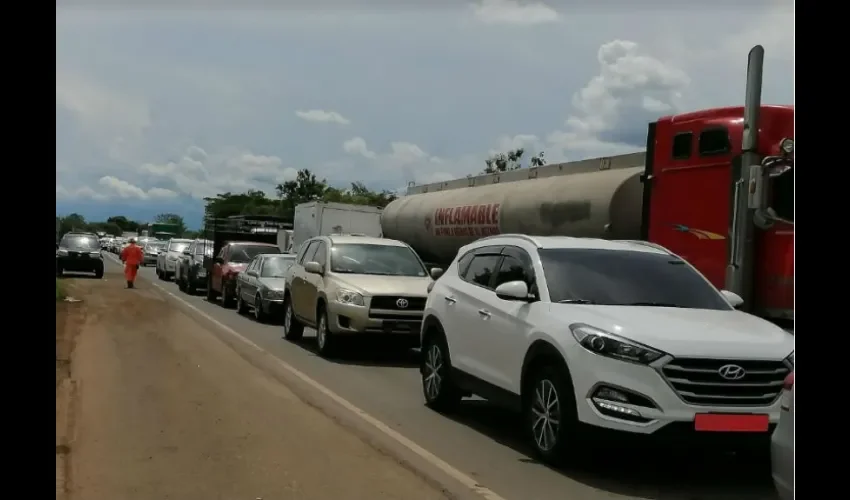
<point>293,330</point>
<point>181,283</point>
<point>59,271</point>
<point>190,286</point>
<point>211,295</point>
<point>98,273</point>
<point>325,340</point>
<point>550,385</point>
<point>440,392</point>
<point>227,300</point>
<point>162,275</point>
<point>259,314</point>
<point>241,307</point>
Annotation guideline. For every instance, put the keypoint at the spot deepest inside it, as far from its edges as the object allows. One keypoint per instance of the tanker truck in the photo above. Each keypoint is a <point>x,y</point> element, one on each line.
<point>715,187</point>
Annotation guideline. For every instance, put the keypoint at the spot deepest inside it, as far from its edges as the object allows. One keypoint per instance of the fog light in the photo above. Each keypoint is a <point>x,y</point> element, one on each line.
<point>610,408</point>
<point>787,146</point>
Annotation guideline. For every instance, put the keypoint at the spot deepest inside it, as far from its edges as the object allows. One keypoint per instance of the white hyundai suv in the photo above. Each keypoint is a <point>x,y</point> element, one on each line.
<point>584,333</point>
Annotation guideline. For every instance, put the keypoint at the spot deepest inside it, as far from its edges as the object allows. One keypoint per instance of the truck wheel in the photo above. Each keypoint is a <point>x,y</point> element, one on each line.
<point>325,340</point>
<point>226,296</point>
<point>211,295</point>
<point>293,330</point>
<point>181,284</point>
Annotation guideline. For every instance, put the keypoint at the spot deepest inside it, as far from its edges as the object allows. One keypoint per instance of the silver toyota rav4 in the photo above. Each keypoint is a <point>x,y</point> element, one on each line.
<point>355,286</point>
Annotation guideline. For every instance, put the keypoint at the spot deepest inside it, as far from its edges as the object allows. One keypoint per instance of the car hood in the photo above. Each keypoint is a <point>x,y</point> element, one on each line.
<point>235,267</point>
<point>273,283</point>
<point>686,332</point>
<point>384,285</point>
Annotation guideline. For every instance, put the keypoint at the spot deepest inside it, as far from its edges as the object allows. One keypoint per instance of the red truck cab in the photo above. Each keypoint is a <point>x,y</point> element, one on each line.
<point>694,162</point>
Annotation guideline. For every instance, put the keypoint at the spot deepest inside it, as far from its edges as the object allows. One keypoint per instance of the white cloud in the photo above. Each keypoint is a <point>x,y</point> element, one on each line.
<point>321,116</point>
<point>610,113</point>
<point>123,189</point>
<point>357,146</point>
<point>199,174</point>
<point>514,12</point>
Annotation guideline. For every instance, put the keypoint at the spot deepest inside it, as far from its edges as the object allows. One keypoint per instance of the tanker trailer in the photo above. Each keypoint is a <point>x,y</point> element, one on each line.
<point>561,200</point>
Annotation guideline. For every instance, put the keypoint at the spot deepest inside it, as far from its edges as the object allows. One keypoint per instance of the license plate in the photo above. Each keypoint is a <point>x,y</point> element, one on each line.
<point>723,422</point>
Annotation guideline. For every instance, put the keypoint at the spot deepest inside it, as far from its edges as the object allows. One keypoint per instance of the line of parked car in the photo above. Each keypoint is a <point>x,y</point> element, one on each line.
<point>577,335</point>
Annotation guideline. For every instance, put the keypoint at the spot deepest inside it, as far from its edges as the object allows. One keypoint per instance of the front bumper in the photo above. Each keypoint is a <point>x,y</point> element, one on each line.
<point>79,263</point>
<point>273,306</point>
<point>660,412</point>
<point>347,319</point>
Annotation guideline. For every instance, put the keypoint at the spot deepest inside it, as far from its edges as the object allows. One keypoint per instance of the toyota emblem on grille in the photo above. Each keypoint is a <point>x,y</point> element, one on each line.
<point>402,303</point>
<point>731,372</point>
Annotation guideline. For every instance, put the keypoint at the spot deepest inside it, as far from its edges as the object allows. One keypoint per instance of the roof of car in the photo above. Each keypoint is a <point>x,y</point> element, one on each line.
<point>252,243</point>
<point>559,242</point>
<point>365,240</point>
<point>283,255</point>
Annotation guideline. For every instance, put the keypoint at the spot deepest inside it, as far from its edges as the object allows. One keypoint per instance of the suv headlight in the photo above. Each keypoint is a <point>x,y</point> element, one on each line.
<point>62,252</point>
<point>94,254</point>
<point>349,297</point>
<point>274,294</point>
<point>607,344</point>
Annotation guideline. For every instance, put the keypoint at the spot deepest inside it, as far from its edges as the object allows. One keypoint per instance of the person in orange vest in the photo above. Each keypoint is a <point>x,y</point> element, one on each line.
<point>132,257</point>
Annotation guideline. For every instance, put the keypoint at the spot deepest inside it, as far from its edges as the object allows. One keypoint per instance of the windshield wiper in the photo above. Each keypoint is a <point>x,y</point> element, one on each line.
<point>652,304</point>
<point>577,301</point>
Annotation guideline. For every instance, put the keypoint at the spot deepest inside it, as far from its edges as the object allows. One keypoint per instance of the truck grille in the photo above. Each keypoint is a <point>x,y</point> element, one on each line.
<point>698,381</point>
<point>390,302</point>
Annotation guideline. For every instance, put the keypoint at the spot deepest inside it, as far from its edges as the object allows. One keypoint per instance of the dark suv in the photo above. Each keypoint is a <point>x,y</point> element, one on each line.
<point>191,273</point>
<point>79,252</point>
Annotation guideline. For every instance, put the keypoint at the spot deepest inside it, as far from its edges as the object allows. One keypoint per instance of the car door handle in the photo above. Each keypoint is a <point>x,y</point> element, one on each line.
<point>484,312</point>
<point>450,300</point>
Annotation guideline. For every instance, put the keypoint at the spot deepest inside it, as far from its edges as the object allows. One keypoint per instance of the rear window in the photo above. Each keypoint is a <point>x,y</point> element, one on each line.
<point>80,241</point>
<point>243,254</point>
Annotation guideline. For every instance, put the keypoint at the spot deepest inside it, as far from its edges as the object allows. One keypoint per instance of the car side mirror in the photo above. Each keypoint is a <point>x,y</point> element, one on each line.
<point>313,268</point>
<point>514,290</point>
<point>436,272</point>
<point>252,273</point>
<point>733,298</point>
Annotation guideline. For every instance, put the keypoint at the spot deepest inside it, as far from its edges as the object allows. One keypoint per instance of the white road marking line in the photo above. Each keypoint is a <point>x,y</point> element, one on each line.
<point>424,454</point>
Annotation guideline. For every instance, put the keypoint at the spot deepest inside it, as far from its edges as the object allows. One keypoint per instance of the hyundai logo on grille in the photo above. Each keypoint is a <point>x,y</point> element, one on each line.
<point>731,372</point>
<point>402,303</point>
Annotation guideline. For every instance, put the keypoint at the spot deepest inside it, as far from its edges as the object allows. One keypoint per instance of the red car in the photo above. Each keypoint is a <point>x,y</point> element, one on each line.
<point>233,258</point>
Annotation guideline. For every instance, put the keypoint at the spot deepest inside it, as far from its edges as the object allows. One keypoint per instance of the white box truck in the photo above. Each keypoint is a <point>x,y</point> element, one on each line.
<point>316,218</point>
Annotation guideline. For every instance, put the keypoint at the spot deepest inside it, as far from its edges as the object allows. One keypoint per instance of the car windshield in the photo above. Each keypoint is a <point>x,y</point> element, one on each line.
<point>384,260</point>
<point>80,241</point>
<point>178,246</point>
<point>243,254</point>
<point>612,277</point>
<point>155,245</point>
<point>202,248</point>
<point>274,267</point>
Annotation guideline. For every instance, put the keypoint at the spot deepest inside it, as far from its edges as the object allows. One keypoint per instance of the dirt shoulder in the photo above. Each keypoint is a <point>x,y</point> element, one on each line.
<point>151,405</point>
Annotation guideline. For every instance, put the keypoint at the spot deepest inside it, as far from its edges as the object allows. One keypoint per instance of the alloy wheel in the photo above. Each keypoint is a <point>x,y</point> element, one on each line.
<point>546,411</point>
<point>433,378</point>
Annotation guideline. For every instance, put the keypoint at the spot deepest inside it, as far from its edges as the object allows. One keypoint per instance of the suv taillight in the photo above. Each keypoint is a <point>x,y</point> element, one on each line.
<point>786,392</point>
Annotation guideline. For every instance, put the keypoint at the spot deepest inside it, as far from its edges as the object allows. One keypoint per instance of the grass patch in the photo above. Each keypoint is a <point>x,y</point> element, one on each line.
<point>60,290</point>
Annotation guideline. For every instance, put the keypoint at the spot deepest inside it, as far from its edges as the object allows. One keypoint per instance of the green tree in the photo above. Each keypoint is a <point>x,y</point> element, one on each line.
<point>501,162</point>
<point>72,222</point>
<point>305,187</point>
<point>170,218</point>
<point>249,203</point>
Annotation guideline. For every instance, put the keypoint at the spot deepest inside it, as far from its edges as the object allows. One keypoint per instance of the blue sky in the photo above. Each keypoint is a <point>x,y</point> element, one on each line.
<point>158,107</point>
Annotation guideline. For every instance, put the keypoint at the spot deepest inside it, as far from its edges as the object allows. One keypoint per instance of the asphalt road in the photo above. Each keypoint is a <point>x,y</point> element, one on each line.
<point>483,442</point>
